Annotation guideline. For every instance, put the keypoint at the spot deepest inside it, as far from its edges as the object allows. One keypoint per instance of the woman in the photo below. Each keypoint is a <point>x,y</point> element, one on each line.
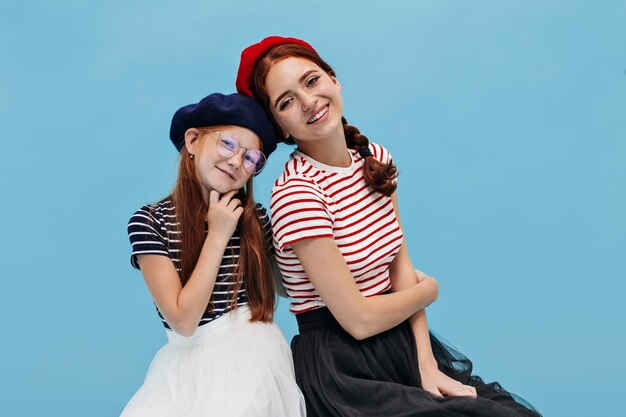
<point>364,347</point>
<point>204,252</point>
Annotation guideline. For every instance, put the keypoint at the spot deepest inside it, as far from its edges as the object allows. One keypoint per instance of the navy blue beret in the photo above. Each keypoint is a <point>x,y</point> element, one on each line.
<point>219,109</point>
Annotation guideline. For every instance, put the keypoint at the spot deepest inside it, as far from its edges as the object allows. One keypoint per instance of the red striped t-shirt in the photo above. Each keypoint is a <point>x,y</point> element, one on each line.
<point>312,200</point>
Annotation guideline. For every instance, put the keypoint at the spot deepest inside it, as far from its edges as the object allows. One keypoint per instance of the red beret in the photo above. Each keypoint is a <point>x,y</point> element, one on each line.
<point>251,55</point>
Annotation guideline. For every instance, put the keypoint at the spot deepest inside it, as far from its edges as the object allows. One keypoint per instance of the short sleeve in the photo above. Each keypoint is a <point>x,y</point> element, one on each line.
<point>299,211</point>
<point>381,153</point>
<point>144,233</point>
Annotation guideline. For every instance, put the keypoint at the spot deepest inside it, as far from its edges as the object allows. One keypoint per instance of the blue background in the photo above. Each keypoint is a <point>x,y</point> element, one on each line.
<point>506,119</point>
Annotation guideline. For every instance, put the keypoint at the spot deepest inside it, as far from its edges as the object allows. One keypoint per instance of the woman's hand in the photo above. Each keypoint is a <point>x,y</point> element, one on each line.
<point>440,384</point>
<point>421,276</point>
<point>223,214</point>
<point>433,380</point>
<point>424,279</point>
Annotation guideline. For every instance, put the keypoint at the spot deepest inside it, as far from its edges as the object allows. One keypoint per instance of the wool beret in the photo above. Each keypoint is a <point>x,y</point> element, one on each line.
<point>251,55</point>
<point>219,109</point>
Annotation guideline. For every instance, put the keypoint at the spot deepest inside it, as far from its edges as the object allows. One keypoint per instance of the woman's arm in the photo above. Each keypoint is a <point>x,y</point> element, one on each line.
<point>403,275</point>
<point>360,316</point>
<point>183,307</point>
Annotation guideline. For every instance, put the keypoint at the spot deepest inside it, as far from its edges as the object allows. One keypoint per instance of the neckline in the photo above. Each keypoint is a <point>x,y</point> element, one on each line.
<point>349,170</point>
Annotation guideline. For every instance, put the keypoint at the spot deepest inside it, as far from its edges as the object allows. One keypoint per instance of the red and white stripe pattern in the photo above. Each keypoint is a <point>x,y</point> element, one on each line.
<point>312,200</point>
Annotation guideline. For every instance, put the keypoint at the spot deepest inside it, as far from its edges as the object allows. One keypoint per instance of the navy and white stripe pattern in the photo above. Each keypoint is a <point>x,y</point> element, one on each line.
<point>152,230</point>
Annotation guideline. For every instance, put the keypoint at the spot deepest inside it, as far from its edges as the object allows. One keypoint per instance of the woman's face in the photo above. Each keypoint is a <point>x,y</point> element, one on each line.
<point>305,100</point>
<point>214,170</point>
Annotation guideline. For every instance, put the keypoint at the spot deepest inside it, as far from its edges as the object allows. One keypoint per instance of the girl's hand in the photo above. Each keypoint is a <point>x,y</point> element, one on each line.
<point>223,214</point>
<point>439,384</point>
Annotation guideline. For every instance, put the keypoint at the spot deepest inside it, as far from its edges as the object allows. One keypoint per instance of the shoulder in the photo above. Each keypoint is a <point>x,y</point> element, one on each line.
<point>153,216</point>
<point>296,170</point>
<point>380,152</point>
<point>296,184</point>
<point>298,181</point>
<point>298,193</point>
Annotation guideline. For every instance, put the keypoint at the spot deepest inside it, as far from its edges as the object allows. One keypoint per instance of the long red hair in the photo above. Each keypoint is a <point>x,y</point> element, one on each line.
<point>253,267</point>
<point>378,175</point>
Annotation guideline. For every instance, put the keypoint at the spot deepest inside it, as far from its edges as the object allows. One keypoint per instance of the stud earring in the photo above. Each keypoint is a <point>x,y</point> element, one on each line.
<point>191,156</point>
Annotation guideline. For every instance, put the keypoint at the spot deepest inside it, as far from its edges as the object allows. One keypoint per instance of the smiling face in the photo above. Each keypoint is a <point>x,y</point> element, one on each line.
<point>213,170</point>
<point>304,100</point>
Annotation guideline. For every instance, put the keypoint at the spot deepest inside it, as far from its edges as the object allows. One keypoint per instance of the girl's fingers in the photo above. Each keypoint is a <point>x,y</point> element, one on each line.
<point>214,197</point>
<point>226,197</point>
<point>234,203</point>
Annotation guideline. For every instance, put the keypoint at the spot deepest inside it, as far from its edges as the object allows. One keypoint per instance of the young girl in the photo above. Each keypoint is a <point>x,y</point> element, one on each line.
<point>364,348</point>
<point>204,252</point>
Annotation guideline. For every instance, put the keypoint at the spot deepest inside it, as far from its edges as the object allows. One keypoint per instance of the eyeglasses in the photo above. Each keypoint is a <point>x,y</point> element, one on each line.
<point>228,145</point>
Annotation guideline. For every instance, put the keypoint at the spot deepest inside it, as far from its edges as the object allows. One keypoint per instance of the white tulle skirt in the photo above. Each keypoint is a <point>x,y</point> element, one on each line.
<point>230,367</point>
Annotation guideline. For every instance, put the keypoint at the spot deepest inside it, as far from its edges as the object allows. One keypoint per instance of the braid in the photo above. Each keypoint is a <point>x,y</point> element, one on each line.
<point>378,175</point>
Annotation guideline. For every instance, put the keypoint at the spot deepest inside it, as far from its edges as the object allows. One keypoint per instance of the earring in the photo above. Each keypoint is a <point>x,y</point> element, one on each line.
<point>191,156</point>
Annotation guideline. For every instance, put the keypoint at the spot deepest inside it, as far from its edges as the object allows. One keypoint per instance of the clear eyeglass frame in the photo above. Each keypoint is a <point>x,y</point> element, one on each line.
<point>253,159</point>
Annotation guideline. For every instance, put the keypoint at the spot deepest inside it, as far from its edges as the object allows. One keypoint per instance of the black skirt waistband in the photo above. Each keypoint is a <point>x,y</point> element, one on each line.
<point>316,319</point>
<point>319,319</point>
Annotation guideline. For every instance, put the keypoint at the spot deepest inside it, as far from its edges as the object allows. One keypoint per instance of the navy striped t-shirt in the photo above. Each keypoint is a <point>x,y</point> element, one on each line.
<point>153,230</point>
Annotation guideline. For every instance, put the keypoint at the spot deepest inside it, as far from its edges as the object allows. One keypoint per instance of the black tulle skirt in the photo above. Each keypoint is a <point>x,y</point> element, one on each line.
<point>379,376</point>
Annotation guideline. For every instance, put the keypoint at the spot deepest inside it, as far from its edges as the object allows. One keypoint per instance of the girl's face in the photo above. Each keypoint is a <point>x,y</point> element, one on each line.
<point>304,100</point>
<point>214,170</point>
